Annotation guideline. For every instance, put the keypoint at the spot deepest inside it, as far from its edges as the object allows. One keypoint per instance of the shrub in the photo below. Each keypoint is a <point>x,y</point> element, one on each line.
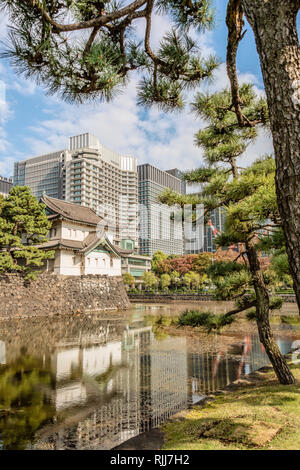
<point>208,321</point>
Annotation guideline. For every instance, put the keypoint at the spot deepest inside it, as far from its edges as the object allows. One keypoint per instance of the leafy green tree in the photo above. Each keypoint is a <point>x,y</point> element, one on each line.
<point>165,281</point>
<point>195,280</point>
<point>23,226</point>
<point>192,280</point>
<point>202,262</point>
<point>175,279</point>
<point>150,280</point>
<point>128,279</point>
<point>157,258</point>
<point>187,280</point>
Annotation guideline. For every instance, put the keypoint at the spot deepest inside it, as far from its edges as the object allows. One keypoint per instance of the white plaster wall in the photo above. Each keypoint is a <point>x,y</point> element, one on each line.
<point>70,395</point>
<point>65,361</point>
<point>68,230</point>
<point>99,263</point>
<point>96,263</point>
<point>96,360</point>
<point>67,267</point>
<point>57,262</point>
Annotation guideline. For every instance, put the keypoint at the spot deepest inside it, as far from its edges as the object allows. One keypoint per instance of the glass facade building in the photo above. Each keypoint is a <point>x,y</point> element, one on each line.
<point>208,233</point>
<point>160,229</point>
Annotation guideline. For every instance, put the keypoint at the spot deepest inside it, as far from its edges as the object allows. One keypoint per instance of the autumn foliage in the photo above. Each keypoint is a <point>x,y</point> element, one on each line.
<point>198,263</point>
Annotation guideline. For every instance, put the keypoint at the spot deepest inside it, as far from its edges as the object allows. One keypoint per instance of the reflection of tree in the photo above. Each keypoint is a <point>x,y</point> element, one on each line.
<point>111,373</point>
<point>23,407</point>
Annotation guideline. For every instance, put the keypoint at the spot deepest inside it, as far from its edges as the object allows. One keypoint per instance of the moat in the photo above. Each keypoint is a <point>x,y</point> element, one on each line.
<point>93,382</point>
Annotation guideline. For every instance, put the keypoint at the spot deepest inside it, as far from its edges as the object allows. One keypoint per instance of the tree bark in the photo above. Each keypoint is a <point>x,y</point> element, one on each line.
<point>278,361</point>
<point>274,26</point>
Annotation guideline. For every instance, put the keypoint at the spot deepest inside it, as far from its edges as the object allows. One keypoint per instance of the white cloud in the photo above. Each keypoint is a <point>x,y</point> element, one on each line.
<point>25,87</point>
<point>261,146</point>
<point>6,164</point>
<point>165,140</point>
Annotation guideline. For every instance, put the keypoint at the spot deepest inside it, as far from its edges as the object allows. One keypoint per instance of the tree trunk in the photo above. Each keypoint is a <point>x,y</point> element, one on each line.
<point>278,362</point>
<point>274,26</point>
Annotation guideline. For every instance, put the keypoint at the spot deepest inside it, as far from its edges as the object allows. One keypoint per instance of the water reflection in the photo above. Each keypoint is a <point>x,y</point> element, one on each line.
<point>92,383</point>
<point>210,372</point>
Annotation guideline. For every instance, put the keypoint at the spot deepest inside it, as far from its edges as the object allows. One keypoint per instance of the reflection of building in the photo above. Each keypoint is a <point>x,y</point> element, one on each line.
<point>159,228</point>
<point>5,185</point>
<point>2,353</point>
<point>88,174</point>
<point>133,384</point>
<point>107,381</point>
<point>169,376</point>
<point>209,372</point>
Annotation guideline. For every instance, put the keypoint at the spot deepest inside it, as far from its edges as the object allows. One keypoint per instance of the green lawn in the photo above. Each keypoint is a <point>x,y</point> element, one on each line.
<point>258,414</point>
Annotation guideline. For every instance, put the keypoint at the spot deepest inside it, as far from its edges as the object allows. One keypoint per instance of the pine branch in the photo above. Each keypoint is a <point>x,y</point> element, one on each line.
<point>99,21</point>
<point>237,310</point>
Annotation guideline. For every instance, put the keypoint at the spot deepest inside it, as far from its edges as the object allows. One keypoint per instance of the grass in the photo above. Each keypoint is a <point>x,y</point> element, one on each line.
<point>259,413</point>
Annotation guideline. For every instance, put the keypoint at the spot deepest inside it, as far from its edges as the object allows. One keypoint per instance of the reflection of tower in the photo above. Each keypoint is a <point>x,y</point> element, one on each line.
<point>169,375</point>
<point>209,372</point>
<point>163,381</point>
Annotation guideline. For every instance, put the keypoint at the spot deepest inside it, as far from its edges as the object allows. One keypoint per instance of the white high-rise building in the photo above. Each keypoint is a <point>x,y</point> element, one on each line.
<point>91,175</point>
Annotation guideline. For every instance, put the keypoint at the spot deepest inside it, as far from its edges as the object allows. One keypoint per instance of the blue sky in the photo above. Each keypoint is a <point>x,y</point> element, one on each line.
<point>33,123</point>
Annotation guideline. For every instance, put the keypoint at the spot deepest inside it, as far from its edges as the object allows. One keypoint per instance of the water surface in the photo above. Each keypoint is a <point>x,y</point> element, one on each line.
<point>93,382</point>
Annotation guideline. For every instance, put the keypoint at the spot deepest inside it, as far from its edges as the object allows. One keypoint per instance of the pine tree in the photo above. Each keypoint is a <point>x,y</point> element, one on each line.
<point>23,226</point>
<point>251,215</point>
<point>249,198</point>
<point>223,140</point>
<point>96,66</point>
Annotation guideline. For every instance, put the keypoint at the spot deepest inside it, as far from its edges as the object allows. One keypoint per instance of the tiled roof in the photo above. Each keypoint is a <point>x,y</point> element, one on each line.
<point>88,244</point>
<point>131,253</point>
<point>71,211</point>
<point>71,244</point>
<point>122,251</point>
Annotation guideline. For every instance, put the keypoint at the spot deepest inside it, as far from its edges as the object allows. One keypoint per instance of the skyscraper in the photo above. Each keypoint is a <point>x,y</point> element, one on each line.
<point>42,174</point>
<point>88,174</point>
<point>178,174</point>
<point>160,226</point>
<point>203,241</point>
<point>5,185</point>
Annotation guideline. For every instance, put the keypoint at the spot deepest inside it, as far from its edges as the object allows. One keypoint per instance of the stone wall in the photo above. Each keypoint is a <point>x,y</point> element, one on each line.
<point>52,295</point>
